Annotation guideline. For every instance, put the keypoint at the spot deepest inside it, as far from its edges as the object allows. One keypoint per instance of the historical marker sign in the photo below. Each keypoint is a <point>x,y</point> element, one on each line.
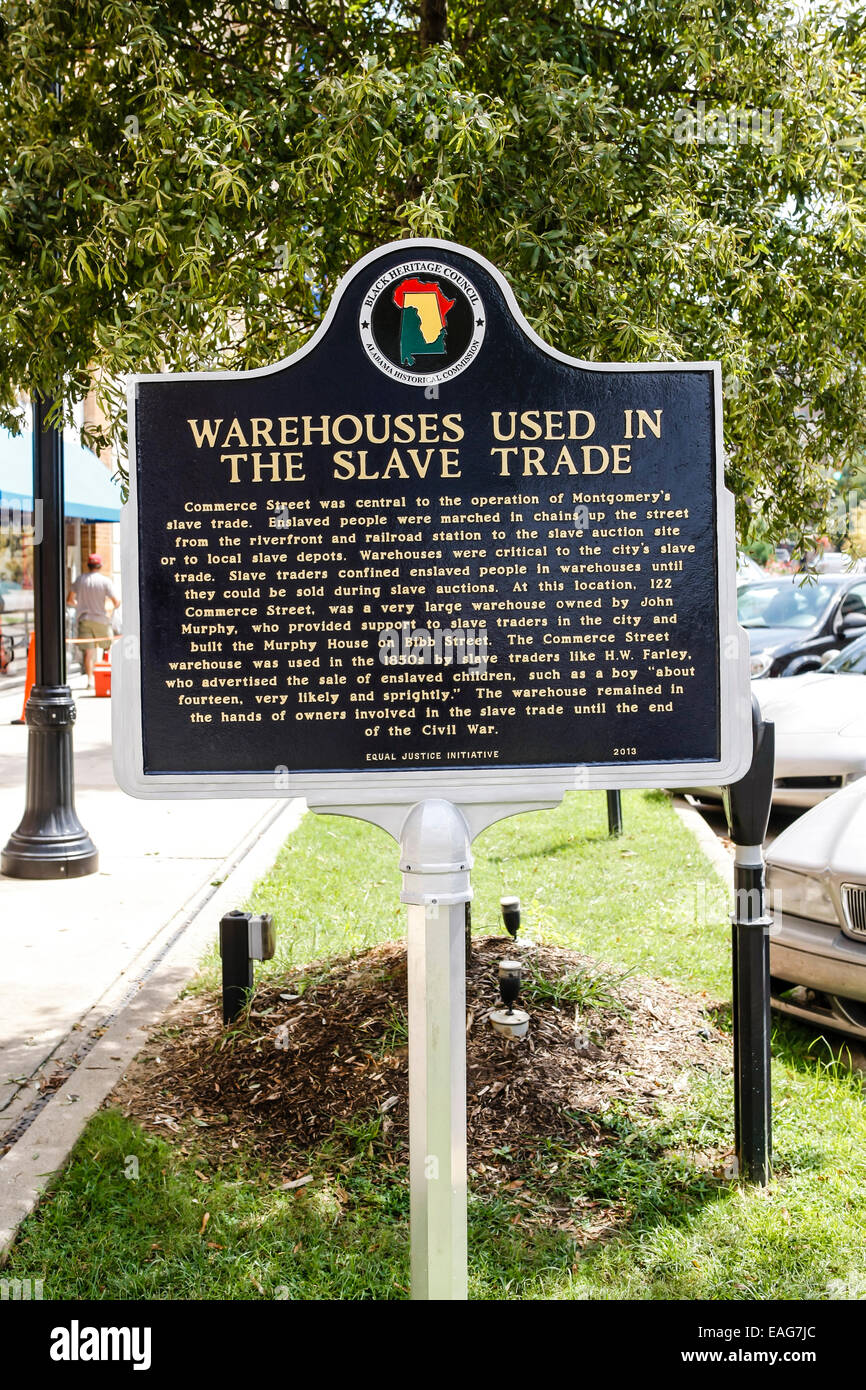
<point>429,555</point>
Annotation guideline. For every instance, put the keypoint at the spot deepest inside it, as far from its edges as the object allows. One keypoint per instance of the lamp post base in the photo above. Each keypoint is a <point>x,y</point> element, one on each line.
<point>44,857</point>
<point>50,842</point>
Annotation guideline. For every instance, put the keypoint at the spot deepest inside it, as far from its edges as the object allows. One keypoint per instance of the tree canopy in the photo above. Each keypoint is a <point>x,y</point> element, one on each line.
<point>184,184</point>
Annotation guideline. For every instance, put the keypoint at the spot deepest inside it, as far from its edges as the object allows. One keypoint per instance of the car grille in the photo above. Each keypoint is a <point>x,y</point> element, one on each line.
<point>854,903</point>
<point>809,783</point>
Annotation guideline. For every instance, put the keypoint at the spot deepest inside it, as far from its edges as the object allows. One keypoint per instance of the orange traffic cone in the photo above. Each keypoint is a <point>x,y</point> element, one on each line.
<point>30,678</point>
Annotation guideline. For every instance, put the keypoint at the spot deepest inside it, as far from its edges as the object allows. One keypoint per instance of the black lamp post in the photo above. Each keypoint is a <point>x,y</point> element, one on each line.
<point>50,842</point>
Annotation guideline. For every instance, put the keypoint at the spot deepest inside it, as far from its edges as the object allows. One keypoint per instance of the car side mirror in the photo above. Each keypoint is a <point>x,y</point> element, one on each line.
<point>853,625</point>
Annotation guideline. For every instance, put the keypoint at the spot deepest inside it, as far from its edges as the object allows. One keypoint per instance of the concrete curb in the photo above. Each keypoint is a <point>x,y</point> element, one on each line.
<point>721,860</point>
<point>29,1167</point>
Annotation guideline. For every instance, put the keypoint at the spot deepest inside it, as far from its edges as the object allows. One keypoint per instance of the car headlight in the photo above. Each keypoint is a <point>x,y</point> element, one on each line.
<point>760,664</point>
<point>799,895</point>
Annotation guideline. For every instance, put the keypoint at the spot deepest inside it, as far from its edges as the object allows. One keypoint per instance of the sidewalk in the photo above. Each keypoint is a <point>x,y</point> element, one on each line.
<point>76,952</point>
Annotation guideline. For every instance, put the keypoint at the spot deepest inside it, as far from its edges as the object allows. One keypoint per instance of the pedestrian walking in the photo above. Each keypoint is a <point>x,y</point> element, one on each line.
<point>90,593</point>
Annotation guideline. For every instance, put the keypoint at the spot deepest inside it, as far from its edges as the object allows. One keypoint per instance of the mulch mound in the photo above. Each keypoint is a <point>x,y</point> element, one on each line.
<point>326,1044</point>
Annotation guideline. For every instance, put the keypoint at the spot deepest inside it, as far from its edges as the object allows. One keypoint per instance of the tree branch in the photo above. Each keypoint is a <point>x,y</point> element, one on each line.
<point>434,22</point>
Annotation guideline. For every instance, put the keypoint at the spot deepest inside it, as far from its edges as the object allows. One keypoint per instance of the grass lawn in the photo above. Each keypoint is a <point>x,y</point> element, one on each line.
<point>135,1216</point>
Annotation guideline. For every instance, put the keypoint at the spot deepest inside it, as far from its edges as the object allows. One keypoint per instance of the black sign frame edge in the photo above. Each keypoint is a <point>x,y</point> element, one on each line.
<point>362,793</point>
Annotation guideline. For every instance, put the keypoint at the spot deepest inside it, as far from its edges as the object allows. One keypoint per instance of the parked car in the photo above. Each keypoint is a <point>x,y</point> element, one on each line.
<point>14,598</point>
<point>816,893</point>
<point>836,562</point>
<point>16,619</point>
<point>792,621</point>
<point>820,720</point>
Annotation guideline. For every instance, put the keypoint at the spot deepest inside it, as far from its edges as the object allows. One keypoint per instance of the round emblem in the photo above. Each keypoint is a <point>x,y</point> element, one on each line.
<point>422,323</point>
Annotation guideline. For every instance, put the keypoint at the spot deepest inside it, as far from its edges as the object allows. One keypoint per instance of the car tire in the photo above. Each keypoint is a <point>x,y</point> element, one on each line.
<point>852,1011</point>
<point>801,666</point>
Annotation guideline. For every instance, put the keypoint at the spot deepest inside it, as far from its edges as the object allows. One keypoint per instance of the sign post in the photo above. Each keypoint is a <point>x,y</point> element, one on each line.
<point>435,860</point>
<point>429,572</point>
<point>614,813</point>
<point>748,810</point>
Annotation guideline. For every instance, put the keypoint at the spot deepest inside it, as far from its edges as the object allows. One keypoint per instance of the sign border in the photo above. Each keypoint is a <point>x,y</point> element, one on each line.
<point>489,794</point>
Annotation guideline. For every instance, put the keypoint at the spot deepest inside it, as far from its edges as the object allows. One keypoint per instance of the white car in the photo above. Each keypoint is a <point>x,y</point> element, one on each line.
<point>820,720</point>
<point>836,562</point>
<point>816,894</point>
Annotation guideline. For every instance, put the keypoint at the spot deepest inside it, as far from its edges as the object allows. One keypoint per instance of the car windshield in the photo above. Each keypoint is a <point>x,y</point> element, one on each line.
<point>851,661</point>
<point>782,605</point>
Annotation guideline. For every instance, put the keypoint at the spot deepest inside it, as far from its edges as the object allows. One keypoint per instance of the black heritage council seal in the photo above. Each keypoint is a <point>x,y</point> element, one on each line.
<point>422,323</point>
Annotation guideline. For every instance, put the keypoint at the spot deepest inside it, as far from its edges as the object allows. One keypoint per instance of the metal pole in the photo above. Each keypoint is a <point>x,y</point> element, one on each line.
<point>614,813</point>
<point>237,966</point>
<point>50,842</point>
<point>747,804</point>
<point>435,860</point>
<point>751,1011</point>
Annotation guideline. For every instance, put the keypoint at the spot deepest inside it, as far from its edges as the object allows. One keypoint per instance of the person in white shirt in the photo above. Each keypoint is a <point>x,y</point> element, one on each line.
<point>90,593</point>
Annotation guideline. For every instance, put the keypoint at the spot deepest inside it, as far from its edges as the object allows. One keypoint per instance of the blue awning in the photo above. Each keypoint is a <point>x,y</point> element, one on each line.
<point>89,492</point>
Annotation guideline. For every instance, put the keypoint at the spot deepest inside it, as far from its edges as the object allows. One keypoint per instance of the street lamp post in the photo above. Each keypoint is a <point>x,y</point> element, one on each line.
<point>50,842</point>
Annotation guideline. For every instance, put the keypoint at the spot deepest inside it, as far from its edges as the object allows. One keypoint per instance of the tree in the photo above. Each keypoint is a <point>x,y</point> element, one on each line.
<point>657,180</point>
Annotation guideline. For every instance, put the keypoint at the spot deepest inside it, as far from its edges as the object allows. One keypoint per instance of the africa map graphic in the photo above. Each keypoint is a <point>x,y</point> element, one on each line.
<point>424,309</point>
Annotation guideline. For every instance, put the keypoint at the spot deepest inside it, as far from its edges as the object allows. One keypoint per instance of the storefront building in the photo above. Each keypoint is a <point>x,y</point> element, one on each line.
<point>92,508</point>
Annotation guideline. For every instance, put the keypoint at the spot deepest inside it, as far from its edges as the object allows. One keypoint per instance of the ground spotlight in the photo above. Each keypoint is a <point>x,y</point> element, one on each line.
<point>510,1022</point>
<point>511,915</point>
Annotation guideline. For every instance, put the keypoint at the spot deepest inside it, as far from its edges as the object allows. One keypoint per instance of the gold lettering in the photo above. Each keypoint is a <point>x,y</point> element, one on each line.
<point>235,430</point>
<point>261,432</point>
<point>208,431</point>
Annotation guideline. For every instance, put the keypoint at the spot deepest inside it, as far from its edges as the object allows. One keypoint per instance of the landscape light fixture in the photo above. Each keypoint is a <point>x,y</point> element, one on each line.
<point>510,1022</point>
<point>511,915</point>
<point>243,939</point>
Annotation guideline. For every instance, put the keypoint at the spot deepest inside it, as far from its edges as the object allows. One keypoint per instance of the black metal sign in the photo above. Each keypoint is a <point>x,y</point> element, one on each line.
<point>430,543</point>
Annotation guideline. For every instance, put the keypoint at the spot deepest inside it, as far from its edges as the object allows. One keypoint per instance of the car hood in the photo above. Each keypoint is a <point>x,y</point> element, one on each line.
<point>777,639</point>
<point>830,836</point>
<point>817,702</point>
